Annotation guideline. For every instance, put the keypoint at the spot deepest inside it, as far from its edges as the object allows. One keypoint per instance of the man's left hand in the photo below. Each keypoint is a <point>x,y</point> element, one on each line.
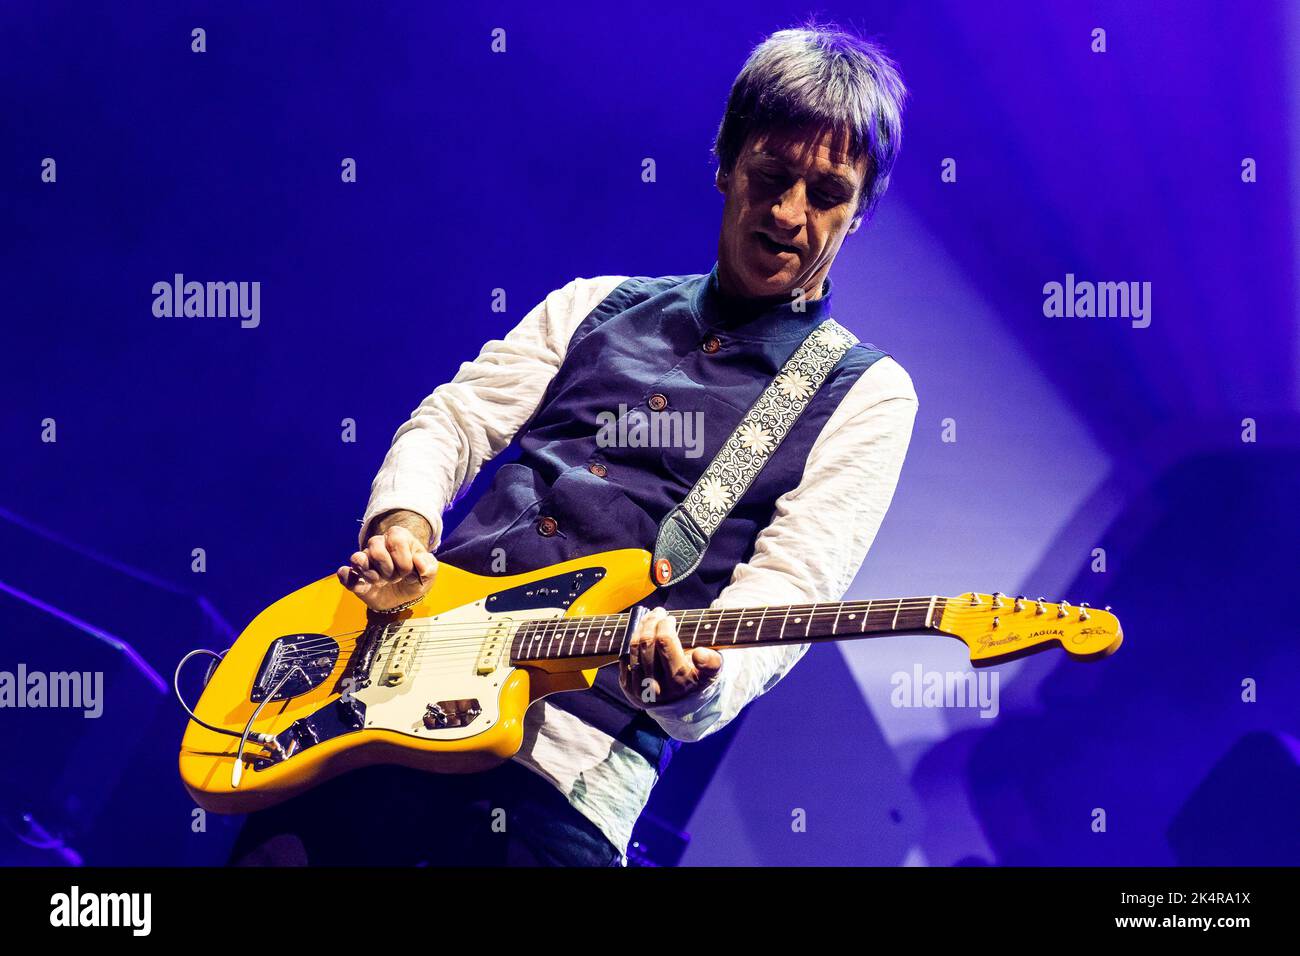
<point>658,670</point>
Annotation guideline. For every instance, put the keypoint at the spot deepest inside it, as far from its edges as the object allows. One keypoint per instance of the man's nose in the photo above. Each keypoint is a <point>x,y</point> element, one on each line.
<point>791,208</point>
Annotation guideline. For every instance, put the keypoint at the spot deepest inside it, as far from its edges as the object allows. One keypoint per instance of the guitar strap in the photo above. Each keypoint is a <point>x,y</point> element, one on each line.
<point>685,532</point>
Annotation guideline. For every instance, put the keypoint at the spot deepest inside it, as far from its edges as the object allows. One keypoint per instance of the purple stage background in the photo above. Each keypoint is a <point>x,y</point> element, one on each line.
<point>1169,158</point>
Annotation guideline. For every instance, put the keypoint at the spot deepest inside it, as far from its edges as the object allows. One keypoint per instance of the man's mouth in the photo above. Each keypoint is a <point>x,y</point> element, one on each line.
<point>774,247</point>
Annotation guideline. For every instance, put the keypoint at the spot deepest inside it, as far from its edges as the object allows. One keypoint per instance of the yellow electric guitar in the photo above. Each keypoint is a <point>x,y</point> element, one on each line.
<point>316,686</point>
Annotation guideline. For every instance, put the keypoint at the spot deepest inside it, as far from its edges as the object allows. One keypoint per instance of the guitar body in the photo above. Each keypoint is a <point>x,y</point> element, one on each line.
<point>438,693</point>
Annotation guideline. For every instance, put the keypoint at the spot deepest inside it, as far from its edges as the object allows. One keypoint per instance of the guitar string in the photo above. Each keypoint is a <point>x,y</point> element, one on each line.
<point>453,635</point>
<point>814,610</point>
<point>882,606</point>
<point>475,631</point>
<point>723,617</point>
<point>559,638</point>
<point>471,635</point>
<point>471,648</point>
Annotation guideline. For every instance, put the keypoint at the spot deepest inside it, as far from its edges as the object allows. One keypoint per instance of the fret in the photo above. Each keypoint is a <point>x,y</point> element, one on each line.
<point>739,617</point>
<point>701,615</point>
<point>884,616</point>
<point>894,624</point>
<point>929,612</point>
<point>704,619</point>
<point>839,609</point>
<point>811,614</point>
<point>584,631</point>
<point>679,619</point>
<point>694,625</point>
<point>762,619</point>
<point>785,620</point>
<point>865,615</point>
<point>612,631</point>
<point>714,626</point>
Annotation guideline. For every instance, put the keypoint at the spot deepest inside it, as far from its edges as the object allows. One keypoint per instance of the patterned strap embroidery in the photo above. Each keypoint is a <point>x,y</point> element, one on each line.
<point>685,532</point>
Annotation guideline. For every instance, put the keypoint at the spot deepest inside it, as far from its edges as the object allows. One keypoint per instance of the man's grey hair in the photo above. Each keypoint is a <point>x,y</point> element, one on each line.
<point>822,78</point>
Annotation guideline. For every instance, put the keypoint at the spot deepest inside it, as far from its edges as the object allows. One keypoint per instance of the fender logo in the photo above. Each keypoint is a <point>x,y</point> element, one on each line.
<point>988,641</point>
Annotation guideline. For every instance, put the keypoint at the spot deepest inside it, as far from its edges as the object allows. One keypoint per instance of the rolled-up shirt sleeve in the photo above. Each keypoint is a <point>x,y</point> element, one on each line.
<point>468,421</point>
<point>815,544</point>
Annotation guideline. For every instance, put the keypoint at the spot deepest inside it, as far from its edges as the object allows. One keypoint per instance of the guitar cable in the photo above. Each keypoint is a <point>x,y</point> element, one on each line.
<point>176,686</point>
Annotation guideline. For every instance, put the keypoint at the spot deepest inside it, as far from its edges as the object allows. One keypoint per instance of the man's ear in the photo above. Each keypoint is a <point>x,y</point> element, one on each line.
<point>720,179</point>
<point>853,226</point>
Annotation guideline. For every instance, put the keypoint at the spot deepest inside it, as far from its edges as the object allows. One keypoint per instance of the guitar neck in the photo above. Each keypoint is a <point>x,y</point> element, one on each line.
<point>602,636</point>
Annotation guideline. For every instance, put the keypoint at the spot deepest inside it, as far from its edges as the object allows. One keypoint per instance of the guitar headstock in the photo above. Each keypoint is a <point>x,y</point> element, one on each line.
<point>996,626</point>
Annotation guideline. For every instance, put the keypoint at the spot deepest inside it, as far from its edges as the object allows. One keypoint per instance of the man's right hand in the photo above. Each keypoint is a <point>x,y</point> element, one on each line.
<point>394,568</point>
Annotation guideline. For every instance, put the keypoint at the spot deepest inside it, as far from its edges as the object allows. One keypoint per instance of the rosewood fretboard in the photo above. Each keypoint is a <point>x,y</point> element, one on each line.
<point>603,635</point>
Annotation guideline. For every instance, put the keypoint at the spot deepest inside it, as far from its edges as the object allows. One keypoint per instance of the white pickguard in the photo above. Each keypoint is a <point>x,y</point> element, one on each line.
<point>444,667</point>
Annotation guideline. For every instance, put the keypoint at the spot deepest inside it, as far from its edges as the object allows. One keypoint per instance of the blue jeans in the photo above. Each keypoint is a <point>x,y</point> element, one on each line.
<point>393,816</point>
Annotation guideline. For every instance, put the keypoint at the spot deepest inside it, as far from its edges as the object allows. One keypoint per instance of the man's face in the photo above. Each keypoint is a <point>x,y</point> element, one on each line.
<point>790,201</point>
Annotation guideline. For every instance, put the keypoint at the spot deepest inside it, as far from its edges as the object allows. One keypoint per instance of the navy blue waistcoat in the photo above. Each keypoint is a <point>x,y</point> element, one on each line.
<point>673,344</point>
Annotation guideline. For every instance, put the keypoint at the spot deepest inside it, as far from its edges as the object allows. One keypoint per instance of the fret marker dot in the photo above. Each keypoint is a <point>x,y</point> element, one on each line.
<point>798,619</point>
<point>852,616</point>
<point>707,626</point>
<point>749,624</point>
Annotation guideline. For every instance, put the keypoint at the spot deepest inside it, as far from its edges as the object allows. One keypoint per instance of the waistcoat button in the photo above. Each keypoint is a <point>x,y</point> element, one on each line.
<point>658,402</point>
<point>711,344</point>
<point>597,469</point>
<point>547,527</point>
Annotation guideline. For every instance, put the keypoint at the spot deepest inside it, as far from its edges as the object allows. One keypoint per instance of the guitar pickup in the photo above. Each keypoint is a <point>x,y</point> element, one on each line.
<point>401,658</point>
<point>494,644</point>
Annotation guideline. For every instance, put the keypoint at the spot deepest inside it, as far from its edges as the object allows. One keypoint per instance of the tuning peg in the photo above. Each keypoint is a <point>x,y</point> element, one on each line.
<point>997,599</point>
<point>1020,602</point>
<point>1083,610</point>
<point>997,621</point>
<point>975,600</point>
<point>1106,608</point>
<point>1063,610</point>
<point>1038,606</point>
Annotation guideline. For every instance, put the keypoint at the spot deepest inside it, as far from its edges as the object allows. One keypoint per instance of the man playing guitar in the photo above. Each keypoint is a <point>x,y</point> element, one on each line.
<point>805,149</point>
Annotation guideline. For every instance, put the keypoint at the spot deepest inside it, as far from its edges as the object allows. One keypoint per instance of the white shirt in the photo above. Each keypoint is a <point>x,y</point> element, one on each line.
<point>811,550</point>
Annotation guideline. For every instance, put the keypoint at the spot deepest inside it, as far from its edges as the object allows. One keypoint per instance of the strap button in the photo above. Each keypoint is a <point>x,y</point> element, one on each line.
<point>658,402</point>
<point>547,527</point>
<point>663,571</point>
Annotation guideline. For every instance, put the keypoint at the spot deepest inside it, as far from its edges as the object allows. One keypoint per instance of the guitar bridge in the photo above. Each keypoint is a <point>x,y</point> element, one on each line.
<point>314,656</point>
